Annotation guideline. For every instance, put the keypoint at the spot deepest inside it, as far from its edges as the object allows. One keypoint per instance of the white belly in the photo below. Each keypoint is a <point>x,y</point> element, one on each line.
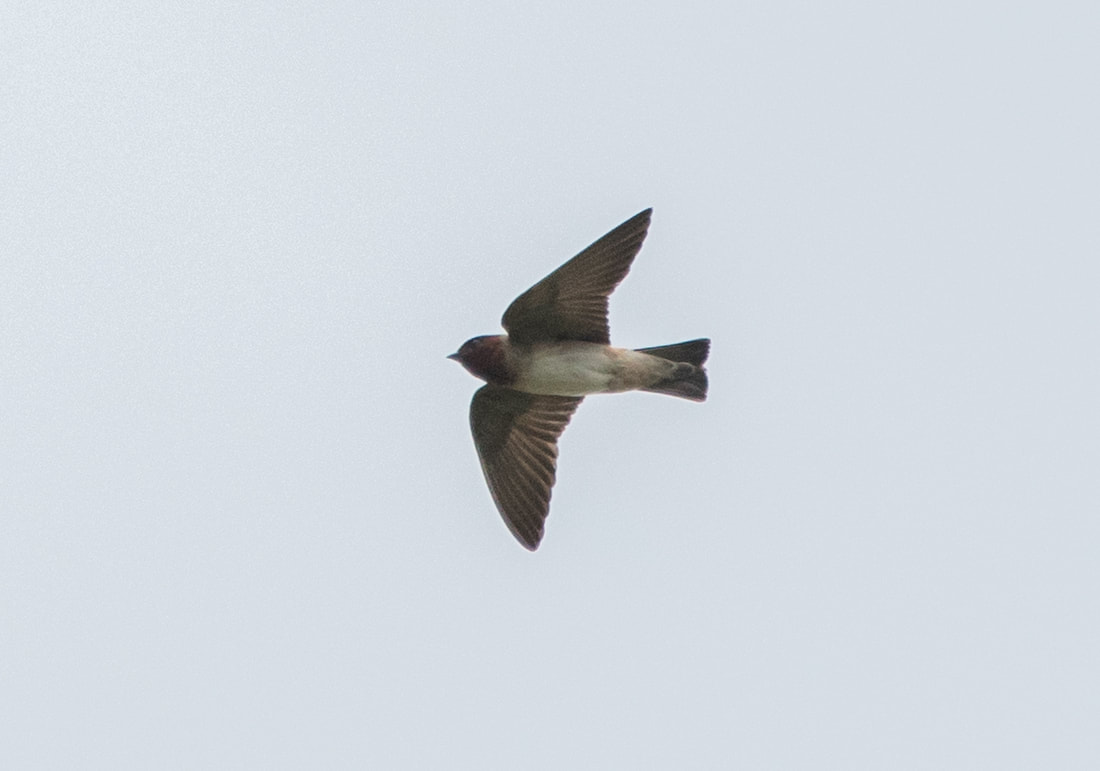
<point>577,369</point>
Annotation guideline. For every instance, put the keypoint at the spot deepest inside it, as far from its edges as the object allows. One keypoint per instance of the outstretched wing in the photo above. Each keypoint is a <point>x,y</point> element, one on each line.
<point>516,435</point>
<point>571,303</point>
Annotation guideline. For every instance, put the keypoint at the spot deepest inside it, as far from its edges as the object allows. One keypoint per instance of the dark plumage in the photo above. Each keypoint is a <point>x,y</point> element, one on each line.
<point>557,351</point>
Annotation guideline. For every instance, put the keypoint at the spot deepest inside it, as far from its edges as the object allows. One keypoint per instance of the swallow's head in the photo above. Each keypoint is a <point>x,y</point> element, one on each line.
<point>487,357</point>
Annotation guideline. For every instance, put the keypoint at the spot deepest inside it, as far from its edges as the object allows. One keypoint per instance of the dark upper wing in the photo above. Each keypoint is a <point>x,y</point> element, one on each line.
<point>571,303</point>
<point>516,435</point>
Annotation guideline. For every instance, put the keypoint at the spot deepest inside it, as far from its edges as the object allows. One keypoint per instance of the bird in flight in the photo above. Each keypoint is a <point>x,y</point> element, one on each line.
<point>557,351</point>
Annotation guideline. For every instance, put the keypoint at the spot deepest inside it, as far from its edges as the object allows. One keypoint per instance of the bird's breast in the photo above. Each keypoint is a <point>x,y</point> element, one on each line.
<point>578,369</point>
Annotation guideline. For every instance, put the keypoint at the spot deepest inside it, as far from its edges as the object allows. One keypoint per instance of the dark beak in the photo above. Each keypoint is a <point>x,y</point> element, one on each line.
<point>454,357</point>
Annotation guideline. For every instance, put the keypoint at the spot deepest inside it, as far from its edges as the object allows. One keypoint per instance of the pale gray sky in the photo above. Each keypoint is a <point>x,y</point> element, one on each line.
<point>242,523</point>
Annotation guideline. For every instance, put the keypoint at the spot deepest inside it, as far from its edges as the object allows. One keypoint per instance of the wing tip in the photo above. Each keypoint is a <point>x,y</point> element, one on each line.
<point>529,541</point>
<point>645,215</point>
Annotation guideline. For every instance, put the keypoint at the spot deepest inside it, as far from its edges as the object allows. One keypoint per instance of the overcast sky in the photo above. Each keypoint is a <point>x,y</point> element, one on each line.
<point>242,521</point>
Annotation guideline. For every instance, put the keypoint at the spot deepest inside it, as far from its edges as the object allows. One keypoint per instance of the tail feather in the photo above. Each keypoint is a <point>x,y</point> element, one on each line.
<point>692,352</point>
<point>689,379</point>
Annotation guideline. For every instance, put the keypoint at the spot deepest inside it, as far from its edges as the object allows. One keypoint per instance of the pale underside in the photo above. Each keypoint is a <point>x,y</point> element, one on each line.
<point>579,369</point>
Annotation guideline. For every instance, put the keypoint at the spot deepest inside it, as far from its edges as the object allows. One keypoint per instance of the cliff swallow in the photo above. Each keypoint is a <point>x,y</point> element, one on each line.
<point>556,352</point>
